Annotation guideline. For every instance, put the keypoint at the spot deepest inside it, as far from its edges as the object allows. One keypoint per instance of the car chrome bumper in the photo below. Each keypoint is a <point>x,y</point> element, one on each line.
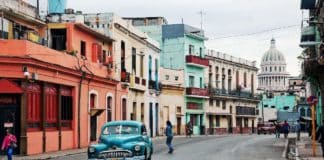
<point>130,158</point>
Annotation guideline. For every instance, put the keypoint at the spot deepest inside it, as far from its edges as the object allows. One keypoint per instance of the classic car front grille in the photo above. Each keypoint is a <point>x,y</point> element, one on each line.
<point>116,154</point>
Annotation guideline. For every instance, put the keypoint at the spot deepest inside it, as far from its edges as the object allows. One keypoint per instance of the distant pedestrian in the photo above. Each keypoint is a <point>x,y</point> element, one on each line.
<point>188,129</point>
<point>286,128</point>
<point>9,143</point>
<point>298,129</point>
<point>278,128</point>
<point>320,137</point>
<point>169,134</point>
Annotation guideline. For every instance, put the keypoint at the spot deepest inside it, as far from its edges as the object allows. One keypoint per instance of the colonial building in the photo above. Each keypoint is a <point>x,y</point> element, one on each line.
<point>57,86</point>
<point>172,100</point>
<point>138,62</point>
<point>232,85</point>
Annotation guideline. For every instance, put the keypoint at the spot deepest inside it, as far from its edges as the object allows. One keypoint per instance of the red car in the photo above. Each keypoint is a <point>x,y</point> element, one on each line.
<point>266,128</point>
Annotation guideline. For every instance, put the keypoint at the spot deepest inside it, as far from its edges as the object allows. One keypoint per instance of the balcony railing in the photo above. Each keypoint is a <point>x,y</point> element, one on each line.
<point>232,93</point>
<point>241,110</point>
<point>194,106</point>
<point>308,36</point>
<point>197,60</point>
<point>197,92</point>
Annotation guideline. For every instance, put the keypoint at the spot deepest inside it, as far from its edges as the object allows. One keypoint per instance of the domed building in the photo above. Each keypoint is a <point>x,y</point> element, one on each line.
<point>273,76</point>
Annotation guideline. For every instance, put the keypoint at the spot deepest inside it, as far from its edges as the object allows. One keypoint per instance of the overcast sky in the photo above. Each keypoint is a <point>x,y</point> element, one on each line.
<point>222,18</point>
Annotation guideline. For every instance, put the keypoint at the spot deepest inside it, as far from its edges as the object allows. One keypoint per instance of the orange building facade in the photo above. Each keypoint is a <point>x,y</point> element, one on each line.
<point>57,97</point>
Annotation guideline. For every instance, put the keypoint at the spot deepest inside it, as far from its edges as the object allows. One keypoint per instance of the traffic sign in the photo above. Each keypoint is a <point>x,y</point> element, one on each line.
<point>312,100</point>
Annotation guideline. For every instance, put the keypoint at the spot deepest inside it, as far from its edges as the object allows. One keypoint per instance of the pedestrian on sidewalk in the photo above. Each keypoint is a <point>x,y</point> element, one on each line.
<point>286,128</point>
<point>278,128</point>
<point>188,129</point>
<point>169,134</point>
<point>320,136</point>
<point>298,129</point>
<point>9,143</point>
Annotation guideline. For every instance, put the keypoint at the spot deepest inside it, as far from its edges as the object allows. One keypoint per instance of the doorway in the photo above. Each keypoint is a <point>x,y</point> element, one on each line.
<point>178,125</point>
<point>93,128</point>
<point>10,117</point>
<point>151,119</point>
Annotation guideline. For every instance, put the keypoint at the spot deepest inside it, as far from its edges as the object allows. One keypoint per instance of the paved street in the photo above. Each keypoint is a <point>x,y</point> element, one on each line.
<point>237,147</point>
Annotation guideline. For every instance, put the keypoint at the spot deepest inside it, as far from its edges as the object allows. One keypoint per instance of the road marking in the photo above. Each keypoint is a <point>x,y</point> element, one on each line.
<point>285,150</point>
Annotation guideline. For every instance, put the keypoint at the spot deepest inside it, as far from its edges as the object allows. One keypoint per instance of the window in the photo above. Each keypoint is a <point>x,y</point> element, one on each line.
<point>179,109</point>
<point>134,60</point>
<point>200,52</point>
<point>245,79</point>
<point>224,105</point>
<point>122,56</point>
<point>66,107</point>
<point>142,65</point>
<point>211,102</point>
<point>246,122</point>
<point>273,106</point>
<point>58,39</point>
<point>124,107</point>
<point>217,121</point>
<point>217,103</point>
<point>166,77</point>
<point>109,106</point>
<point>191,49</point>
<point>83,48</point>
<point>92,100</point>
<point>266,106</point>
<point>103,25</point>
<point>51,105</point>
<point>201,82</point>
<point>191,81</point>
<point>270,69</point>
<point>286,107</point>
<point>142,112</point>
<point>133,117</point>
<point>176,78</point>
<point>33,95</point>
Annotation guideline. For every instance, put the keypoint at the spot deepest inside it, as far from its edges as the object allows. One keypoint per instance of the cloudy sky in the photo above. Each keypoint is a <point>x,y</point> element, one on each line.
<point>256,20</point>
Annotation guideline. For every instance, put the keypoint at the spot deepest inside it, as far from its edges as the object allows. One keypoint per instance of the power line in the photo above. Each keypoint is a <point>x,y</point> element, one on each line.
<point>254,33</point>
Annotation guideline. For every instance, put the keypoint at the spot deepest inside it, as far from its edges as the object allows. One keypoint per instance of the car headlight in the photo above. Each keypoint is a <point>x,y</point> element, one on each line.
<point>137,148</point>
<point>92,150</point>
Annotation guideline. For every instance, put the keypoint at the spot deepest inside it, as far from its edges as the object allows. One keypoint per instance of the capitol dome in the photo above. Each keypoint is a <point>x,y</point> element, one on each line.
<point>273,76</point>
<point>273,55</point>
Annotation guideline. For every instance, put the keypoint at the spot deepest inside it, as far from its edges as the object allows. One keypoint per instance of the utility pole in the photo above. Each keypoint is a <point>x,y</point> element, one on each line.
<point>202,13</point>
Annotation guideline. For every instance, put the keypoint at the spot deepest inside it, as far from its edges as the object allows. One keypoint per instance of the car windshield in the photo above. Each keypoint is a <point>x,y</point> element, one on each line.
<point>120,129</point>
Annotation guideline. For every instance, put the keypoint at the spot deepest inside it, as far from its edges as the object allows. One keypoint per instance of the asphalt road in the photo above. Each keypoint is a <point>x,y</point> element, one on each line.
<point>233,147</point>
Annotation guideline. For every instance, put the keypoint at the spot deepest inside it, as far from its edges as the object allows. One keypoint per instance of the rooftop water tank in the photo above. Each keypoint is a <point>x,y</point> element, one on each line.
<point>56,6</point>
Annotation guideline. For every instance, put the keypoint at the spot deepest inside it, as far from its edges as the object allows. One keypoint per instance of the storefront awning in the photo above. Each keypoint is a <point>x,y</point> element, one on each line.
<point>96,111</point>
<point>9,87</point>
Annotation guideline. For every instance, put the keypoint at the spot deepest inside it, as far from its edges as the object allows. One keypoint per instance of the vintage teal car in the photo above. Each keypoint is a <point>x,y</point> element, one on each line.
<point>122,140</point>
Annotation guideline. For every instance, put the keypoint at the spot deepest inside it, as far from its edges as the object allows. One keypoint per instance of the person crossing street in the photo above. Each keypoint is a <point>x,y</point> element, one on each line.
<point>169,134</point>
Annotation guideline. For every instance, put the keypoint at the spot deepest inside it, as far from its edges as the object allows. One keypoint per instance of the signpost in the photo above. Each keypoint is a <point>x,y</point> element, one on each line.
<point>312,101</point>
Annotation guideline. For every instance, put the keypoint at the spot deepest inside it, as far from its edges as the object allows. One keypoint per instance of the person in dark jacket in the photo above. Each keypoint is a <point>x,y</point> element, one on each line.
<point>169,134</point>
<point>286,128</point>
<point>278,127</point>
<point>320,137</point>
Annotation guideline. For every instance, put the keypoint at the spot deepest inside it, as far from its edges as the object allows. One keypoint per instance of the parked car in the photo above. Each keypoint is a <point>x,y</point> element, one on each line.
<point>122,140</point>
<point>266,128</point>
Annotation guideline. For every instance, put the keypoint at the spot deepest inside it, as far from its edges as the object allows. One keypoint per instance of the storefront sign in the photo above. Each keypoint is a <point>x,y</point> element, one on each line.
<point>8,125</point>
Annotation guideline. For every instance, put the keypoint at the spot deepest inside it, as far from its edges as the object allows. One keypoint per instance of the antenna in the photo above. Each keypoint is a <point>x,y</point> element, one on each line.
<point>202,13</point>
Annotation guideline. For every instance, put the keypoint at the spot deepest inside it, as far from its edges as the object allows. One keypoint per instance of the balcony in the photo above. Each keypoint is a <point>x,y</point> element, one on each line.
<point>308,37</point>
<point>197,61</point>
<point>245,111</point>
<point>197,92</point>
<point>194,106</point>
<point>232,94</point>
<point>307,4</point>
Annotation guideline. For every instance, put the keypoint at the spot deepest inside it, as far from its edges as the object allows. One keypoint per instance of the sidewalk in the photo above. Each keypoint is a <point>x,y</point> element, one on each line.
<point>304,149</point>
<point>50,155</point>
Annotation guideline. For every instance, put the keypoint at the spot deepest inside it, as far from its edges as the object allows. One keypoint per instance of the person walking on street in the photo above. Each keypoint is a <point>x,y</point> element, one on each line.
<point>298,129</point>
<point>285,128</point>
<point>9,143</point>
<point>169,134</point>
<point>278,127</point>
<point>320,137</point>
